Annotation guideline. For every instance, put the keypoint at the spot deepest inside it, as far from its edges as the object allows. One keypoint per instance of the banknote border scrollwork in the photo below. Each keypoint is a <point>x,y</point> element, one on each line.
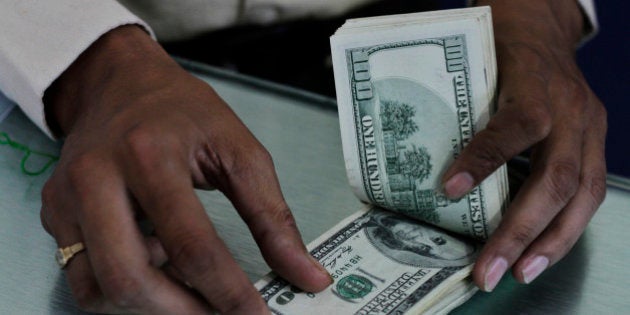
<point>424,289</point>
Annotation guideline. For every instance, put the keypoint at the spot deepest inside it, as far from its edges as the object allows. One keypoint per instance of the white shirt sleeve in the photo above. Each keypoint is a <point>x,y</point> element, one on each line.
<point>41,39</point>
<point>588,8</point>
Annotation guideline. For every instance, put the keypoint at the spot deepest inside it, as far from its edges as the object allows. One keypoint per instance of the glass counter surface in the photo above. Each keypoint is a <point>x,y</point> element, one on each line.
<point>301,131</point>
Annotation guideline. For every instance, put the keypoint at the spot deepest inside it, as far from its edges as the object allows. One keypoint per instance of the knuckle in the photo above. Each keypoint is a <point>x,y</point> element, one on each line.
<point>262,155</point>
<point>144,147</point>
<point>577,94</point>
<point>522,235</point>
<point>46,216</point>
<point>138,139</point>
<point>78,181</point>
<point>48,192</point>
<point>122,288</point>
<point>282,220</point>
<point>561,239</point>
<point>534,118</point>
<point>194,255</point>
<point>247,162</point>
<point>259,156</point>
<point>44,221</point>
<point>562,179</point>
<point>140,142</point>
<point>283,216</point>
<point>525,56</point>
<point>79,167</point>
<point>487,153</point>
<point>279,214</point>
<point>596,186</point>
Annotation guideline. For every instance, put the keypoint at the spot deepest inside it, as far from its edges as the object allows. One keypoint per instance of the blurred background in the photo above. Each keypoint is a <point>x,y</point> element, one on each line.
<point>298,54</point>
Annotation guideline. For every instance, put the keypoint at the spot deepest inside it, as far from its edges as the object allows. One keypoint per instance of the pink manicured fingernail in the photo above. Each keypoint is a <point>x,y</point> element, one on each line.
<point>494,273</point>
<point>534,268</point>
<point>458,185</point>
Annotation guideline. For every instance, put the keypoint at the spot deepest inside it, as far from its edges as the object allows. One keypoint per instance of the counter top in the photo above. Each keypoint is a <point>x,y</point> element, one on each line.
<point>301,131</point>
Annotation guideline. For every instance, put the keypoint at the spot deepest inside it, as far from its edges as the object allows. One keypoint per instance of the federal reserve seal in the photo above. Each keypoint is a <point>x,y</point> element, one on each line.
<point>353,287</point>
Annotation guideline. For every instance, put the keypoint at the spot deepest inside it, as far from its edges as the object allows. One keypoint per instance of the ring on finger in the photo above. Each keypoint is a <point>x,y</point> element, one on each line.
<point>64,254</point>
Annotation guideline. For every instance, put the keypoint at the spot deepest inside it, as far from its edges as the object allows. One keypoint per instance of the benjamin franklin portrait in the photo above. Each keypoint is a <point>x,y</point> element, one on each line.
<point>418,244</point>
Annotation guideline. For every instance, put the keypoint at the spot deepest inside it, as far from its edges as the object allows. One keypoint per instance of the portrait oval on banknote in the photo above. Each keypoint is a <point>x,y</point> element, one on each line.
<point>418,244</point>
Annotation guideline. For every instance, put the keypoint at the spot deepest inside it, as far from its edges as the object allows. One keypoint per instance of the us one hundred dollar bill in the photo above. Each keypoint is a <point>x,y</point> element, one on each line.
<point>412,91</point>
<point>382,263</point>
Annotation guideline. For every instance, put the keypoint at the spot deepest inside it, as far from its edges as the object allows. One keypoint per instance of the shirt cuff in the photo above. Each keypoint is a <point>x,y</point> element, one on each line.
<point>40,41</point>
<point>591,25</point>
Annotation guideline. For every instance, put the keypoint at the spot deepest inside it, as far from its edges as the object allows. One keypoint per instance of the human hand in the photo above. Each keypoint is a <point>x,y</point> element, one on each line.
<point>141,132</point>
<point>545,103</point>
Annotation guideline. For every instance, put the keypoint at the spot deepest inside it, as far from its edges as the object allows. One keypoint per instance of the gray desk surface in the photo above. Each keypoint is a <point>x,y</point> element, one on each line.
<point>302,133</point>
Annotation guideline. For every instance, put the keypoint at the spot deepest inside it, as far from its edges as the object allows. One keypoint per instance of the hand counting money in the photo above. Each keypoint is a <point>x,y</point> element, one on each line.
<point>412,91</point>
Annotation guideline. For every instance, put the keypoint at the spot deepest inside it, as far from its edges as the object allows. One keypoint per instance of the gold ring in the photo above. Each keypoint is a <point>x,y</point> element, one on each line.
<point>63,255</point>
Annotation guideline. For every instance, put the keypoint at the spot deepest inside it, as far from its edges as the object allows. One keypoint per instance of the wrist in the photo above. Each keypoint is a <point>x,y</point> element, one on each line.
<point>114,57</point>
<point>557,23</point>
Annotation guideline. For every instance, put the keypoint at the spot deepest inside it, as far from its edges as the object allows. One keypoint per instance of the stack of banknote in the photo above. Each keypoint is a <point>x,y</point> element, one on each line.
<point>412,91</point>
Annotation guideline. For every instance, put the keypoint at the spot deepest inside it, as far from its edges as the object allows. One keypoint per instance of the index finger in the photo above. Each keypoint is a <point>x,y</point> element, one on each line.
<point>522,120</point>
<point>247,177</point>
<point>159,178</point>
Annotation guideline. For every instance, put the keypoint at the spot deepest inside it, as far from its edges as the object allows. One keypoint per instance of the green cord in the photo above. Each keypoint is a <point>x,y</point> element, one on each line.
<point>6,140</point>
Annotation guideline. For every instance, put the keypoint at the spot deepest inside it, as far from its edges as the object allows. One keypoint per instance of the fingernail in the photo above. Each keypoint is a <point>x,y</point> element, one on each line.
<point>494,273</point>
<point>459,185</point>
<point>534,268</point>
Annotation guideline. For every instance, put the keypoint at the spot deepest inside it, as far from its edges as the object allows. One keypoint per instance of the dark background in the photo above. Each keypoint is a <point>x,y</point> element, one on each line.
<point>606,64</point>
<point>298,54</point>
